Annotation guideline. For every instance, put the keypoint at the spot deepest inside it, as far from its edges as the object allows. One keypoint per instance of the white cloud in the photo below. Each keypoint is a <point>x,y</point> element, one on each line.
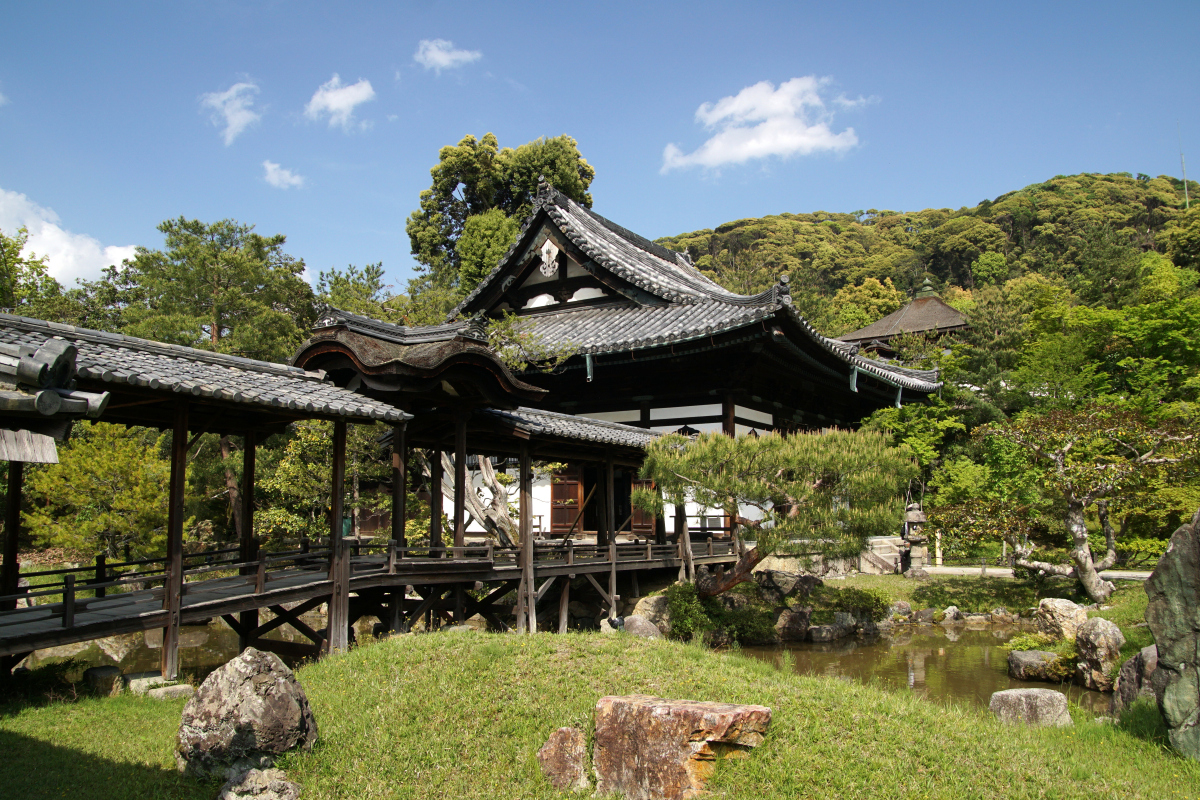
<point>338,101</point>
<point>279,177</point>
<point>761,121</point>
<point>3,99</point>
<point>68,255</point>
<point>439,54</point>
<point>231,108</point>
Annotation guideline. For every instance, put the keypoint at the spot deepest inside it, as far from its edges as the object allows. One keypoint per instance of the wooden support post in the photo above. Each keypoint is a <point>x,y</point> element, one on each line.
<point>435,501</point>
<point>710,549</point>
<point>338,617</point>
<point>247,551</point>
<point>460,479</point>
<point>101,574</point>
<point>173,588</point>
<point>68,601</point>
<point>637,592</point>
<point>10,572</point>
<point>564,601</point>
<point>399,483</point>
<point>525,506</point>
<point>610,503</point>
<point>601,509</point>
<point>612,579</point>
<point>459,604</point>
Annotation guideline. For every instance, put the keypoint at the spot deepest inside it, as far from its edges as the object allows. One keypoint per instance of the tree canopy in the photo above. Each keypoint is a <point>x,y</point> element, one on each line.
<point>476,177</point>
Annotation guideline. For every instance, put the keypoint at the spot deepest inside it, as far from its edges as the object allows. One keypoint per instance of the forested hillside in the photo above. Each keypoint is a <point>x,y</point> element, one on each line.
<point>1087,229</point>
<point>1067,422</point>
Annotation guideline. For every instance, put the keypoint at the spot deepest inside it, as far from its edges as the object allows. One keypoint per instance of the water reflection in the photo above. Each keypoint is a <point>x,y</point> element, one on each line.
<point>943,664</point>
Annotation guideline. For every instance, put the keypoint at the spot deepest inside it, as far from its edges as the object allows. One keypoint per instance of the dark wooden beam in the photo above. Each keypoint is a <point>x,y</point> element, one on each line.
<point>339,601</point>
<point>435,498</point>
<point>399,483</point>
<point>525,504</point>
<point>172,591</point>
<point>10,572</point>
<point>246,545</point>
<point>460,478</point>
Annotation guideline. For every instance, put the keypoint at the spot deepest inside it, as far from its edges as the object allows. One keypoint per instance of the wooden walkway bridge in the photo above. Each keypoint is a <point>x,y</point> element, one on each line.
<point>397,585</point>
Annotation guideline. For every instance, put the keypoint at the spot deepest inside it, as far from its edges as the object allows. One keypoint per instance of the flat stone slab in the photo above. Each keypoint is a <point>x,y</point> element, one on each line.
<point>564,760</point>
<point>142,682</point>
<point>172,692</point>
<point>260,784</point>
<point>650,748</point>
<point>1033,707</point>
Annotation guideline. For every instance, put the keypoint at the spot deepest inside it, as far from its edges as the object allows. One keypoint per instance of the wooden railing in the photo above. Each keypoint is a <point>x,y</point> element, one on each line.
<point>267,567</point>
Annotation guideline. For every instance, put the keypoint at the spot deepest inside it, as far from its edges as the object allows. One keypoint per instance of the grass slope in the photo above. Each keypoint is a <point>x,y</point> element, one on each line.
<point>462,716</point>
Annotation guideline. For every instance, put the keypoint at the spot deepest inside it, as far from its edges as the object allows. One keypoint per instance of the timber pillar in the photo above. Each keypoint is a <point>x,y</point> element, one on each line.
<point>247,546</point>
<point>435,501</point>
<point>173,588</point>
<point>10,571</point>
<point>338,618</point>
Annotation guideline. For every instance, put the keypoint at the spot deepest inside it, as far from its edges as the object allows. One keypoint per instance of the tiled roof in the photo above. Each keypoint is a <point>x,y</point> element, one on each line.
<point>565,426</point>
<point>399,334</point>
<point>689,304</point>
<point>123,360</point>
<point>649,266</point>
<point>921,315</point>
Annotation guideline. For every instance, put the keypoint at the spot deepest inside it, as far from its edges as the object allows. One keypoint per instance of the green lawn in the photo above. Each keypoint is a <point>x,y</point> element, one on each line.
<point>462,716</point>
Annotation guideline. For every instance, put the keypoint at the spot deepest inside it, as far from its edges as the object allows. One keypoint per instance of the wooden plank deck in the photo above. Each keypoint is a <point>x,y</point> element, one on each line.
<point>26,629</point>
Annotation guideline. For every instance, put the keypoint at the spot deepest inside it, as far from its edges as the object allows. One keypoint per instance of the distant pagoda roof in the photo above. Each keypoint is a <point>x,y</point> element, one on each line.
<point>927,313</point>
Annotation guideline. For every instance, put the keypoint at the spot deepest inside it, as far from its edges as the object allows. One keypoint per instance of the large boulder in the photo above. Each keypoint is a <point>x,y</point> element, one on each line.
<point>1098,643</point>
<point>1036,665</point>
<point>776,585</point>
<point>657,610</point>
<point>640,626</point>
<point>1134,680</point>
<point>1059,618</point>
<point>1173,614</point>
<point>917,574</point>
<point>791,625</point>
<point>1033,707</point>
<point>648,748</point>
<point>244,715</point>
<point>564,760</point>
<point>260,784</point>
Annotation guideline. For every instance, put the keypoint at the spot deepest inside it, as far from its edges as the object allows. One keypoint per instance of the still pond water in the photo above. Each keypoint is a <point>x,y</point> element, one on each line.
<point>945,665</point>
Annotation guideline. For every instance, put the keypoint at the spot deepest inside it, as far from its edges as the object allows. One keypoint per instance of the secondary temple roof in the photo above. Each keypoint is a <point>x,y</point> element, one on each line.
<point>112,361</point>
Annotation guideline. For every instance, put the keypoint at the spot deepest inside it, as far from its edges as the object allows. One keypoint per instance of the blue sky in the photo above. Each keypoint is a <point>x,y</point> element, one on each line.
<point>321,121</point>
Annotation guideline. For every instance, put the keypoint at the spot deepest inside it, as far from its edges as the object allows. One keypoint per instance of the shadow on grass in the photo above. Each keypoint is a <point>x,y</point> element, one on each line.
<point>1143,720</point>
<point>982,594</point>
<point>32,769</point>
<point>49,683</point>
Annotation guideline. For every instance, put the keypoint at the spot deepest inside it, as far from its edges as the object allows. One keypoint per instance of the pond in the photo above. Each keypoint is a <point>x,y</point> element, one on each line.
<point>943,664</point>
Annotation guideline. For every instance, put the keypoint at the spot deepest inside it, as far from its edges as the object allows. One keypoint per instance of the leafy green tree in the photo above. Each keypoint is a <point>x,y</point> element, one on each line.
<point>807,492</point>
<point>108,493</point>
<point>476,176</point>
<point>858,306</point>
<point>485,239</point>
<point>300,486</point>
<point>26,286</point>
<point>218,286</point>
<point>922,428</point>
<point>990,267</point>
<point>359,291</point>
<point>1096,457</point>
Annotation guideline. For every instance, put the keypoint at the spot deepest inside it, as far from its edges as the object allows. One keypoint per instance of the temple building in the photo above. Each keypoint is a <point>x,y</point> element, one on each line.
<point>927,315</point>
<point>657,345</point>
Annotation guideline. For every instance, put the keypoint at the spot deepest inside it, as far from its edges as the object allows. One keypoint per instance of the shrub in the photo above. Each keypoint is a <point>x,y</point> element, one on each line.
<point>688,616</point>
<point>872,602</point>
